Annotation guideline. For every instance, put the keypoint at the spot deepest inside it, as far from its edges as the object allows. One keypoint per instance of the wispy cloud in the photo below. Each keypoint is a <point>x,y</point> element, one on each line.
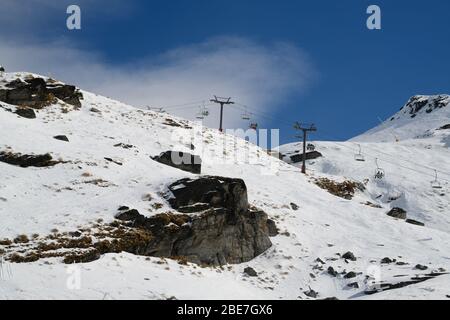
<point>260,76</point>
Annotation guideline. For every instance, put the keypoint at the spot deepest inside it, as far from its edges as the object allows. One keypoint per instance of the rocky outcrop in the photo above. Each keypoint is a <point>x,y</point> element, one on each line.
<point>180,160</point>
<point>296,158</point>
<point>36,93</point>
<point>397,213</point>
<point>223,229</point>
<point>26,160</point>
<point>214,192</point>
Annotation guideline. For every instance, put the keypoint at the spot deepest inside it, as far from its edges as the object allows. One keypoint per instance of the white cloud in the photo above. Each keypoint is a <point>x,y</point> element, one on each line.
<point>261,76</point>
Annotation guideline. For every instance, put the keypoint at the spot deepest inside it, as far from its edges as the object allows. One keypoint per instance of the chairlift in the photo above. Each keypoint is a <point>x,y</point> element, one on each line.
<point>379,172</point>
<point>436,184</point>
<point>202,113</point>
<point>310,147</point>
<point>359,156</point>
<point>253,126</point>
<point>245,115</point>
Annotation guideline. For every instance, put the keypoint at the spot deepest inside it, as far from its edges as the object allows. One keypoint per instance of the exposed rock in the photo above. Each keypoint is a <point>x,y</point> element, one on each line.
<point>25,160</point>
<point>180,160</point>
<point>397,213</point>
<point>294,206</point>
<point>225,230</point>
<point>320,261</point>
<point>61,138</point>
<point>386,260</point>
<point>353,285</point>
<point>311,293</point>
<point>37,93</point>
<point>414,222</point>
<point>113,161</point>
<point>273,230</point>
<point>124,145</point>
<point>350,275</point>
<point>129,215</point>
<point>123,208</point>
<point>216,192</point>
<point>2,69</point>
<point>420,267</point>
<point>94,110</point>
<point>250,272</point>
<point>446,127</point>
<point>296,158</point>
<point>26,113</point>
<point>382,286</point>
<point>332,272</point>
<point>349,256</point>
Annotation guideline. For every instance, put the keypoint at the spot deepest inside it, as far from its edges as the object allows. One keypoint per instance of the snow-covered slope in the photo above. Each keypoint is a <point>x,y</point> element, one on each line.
<point>313,223</point>
<point>418,118</point>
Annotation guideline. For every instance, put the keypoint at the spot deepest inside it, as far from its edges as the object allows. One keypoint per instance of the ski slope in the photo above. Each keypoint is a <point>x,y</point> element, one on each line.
<point>87,187</point>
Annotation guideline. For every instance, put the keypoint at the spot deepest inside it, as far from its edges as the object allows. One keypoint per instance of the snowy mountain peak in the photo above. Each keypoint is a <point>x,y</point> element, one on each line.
<point>422,116</point>
<point>423,105</point>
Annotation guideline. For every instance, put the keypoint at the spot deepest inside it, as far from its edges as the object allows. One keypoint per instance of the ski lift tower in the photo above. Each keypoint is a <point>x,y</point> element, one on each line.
<point>222,102</point>
<point>305,129</point>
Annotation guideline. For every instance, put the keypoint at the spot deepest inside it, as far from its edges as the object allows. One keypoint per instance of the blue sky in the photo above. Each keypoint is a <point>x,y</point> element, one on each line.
<point>320,61</point>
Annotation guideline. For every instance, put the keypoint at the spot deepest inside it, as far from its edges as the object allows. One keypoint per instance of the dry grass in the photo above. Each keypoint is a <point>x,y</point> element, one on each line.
<point>345,189</point>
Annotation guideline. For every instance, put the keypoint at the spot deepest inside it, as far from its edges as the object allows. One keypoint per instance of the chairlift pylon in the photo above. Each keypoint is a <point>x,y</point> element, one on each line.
<point>379,172</point>
<point>436,184</point>
<point>359,156</point>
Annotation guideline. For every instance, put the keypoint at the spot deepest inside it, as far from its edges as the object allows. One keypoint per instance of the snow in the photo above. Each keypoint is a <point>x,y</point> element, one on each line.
<point>37,200</point>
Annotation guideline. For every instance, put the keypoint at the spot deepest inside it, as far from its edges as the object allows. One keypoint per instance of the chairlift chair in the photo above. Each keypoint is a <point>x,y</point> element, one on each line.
<point>254,126</point>
<point>245,115</point>
<point>436,184</point>
<point>379,172</point>
<point>310,147</point>
<point>359,156</point>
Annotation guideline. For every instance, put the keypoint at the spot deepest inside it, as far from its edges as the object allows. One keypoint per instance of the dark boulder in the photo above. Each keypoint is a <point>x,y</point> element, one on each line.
<point>349,256</point>
<point>332,272</point>
<point>37,93</point>
<point>445,127</point>
<point>273,230</point>
<point>294,206</point>
<point>61,138</point>
<point>414,222</point>
<point>353,285</point>
<point>25,160</point>
<point>397,213</point>
<point>250,272</point>
<point>215,192</point>
<point>387,260</point>
<point>420,267</point>
<point>296,158</point>
<point>350,275</point>
<point>311,293</point>
<point>180,160</point>
<point>223,231</point>
<point>26,113</point>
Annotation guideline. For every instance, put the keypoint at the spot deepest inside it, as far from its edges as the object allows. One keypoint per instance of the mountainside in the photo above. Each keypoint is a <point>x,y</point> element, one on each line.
<point>73,158</point>
<point>420,117</point>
